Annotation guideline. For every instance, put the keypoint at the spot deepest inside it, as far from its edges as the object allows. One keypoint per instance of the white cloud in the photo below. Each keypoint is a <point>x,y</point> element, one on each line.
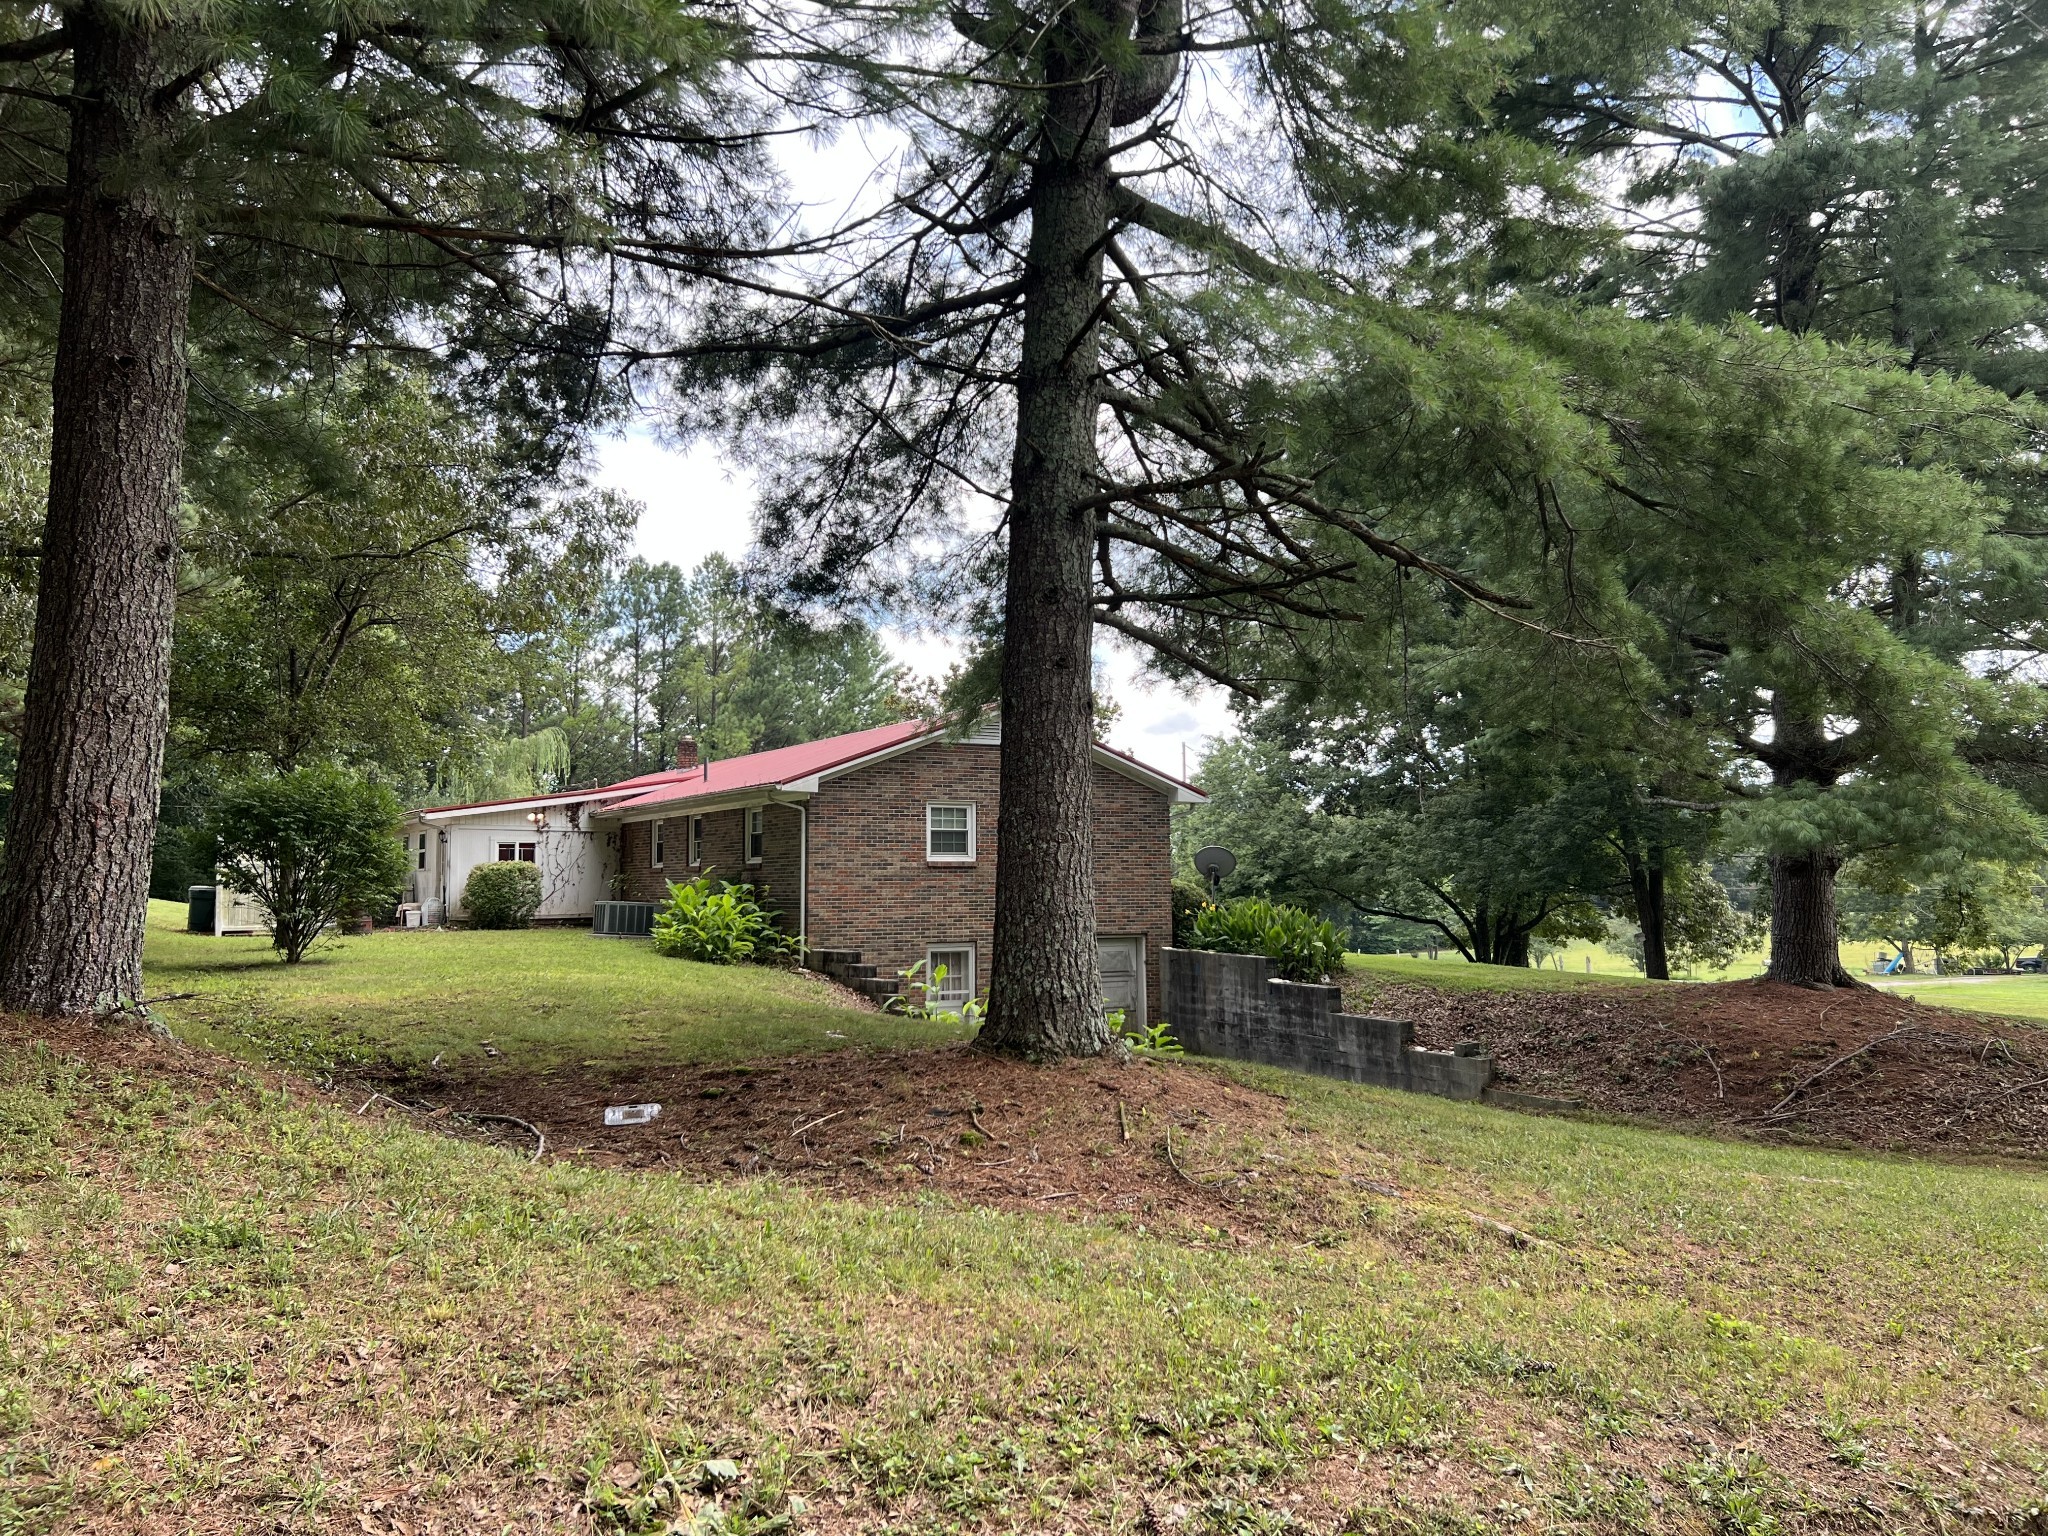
<point>696,503</point>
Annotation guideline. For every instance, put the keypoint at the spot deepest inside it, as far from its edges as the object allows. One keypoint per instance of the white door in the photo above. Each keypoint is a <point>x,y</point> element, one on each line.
<point>1122,962</point>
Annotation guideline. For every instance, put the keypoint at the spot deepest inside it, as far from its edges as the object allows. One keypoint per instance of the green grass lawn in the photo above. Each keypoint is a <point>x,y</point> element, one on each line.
<point>1456,974</point>
<point>1583,959</point>
<point>2023,997</point>
<point>235,1303</point>
<point>542,997</point>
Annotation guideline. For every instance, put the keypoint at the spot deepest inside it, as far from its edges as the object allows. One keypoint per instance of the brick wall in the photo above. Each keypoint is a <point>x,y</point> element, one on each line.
<point>872,888</point>
<point>721,849</point>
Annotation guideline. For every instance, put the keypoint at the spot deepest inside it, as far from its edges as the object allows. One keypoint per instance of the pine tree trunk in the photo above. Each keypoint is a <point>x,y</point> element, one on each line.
<point>1805,946</point>
<point>1045,990</point>
<point>75,886</point>
<point>1646,885</point>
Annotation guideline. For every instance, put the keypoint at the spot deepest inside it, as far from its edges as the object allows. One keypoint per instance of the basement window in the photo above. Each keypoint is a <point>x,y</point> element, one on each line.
<point>954,988</point>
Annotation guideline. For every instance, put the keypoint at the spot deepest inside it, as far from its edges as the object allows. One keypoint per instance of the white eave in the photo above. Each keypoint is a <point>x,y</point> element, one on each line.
<point>499,807</point>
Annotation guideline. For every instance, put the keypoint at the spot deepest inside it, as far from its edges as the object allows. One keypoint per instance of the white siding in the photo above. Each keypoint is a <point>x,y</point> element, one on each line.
<point>572,862</point>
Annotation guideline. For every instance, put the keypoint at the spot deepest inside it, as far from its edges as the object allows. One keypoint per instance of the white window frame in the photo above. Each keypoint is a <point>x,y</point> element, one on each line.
<point>529,853</point>
<point>956,993</point>
<point>756,832</point>
<point>423,851</point>
<point>696,841</point>
<point>949,858</point>
<point>655,848</point>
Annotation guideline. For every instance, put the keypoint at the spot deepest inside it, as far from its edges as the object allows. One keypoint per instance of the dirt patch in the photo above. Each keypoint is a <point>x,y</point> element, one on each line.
<point>1855,1067</point>
<point>1160,1141</point>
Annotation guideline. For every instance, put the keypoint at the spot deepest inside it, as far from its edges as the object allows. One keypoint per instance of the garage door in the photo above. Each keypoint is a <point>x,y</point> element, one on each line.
<point>1122,962</point>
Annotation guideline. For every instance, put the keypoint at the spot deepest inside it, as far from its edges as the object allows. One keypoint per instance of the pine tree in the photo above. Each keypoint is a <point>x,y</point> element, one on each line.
<point>1869,172</point>
<point>237,193</point>
<point>1024,323</point>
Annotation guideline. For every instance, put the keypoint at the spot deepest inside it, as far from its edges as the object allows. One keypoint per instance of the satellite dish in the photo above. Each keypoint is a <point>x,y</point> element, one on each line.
<point>1213,863</point>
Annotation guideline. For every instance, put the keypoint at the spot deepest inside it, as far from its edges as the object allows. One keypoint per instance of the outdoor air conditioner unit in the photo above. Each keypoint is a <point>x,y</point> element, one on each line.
<point>621,919</point>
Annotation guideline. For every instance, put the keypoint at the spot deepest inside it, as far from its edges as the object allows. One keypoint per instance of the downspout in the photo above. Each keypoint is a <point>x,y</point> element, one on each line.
<point>803,873</point>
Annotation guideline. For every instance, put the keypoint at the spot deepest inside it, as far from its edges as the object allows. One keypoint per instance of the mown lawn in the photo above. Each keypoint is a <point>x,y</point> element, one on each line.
<point>541,998</point>
<point>234,1303</point>
<point>2024,997</point>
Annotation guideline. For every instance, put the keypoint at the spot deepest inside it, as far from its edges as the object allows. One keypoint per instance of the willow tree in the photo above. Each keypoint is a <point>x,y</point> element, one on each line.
<point>235,194</point>
<point>1025,388</point>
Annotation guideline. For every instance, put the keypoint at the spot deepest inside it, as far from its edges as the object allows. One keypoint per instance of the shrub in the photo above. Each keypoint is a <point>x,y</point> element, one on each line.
<point>1303,946</point>
<point>503,895</point>
<point>312,845</point>
<point>1189,897</point>
<point>720,924</point>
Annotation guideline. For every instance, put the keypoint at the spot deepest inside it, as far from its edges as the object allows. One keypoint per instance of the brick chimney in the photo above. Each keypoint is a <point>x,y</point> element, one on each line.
<point>686,752</point>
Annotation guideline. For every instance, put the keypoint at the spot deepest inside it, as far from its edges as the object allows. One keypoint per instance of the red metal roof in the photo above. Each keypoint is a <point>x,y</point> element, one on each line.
<point>624,786</point>
<point>756,770</point>
<point>780,765</point>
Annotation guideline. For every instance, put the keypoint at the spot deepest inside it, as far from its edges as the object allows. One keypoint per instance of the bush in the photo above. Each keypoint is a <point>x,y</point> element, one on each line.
<point>1303,946</point>
<point>504,895</point>
<point>313,845</point>
<point>721,925</point>
<point>1189,897</point>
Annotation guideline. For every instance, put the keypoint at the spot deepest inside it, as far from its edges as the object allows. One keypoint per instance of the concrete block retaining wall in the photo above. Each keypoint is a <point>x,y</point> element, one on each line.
<point>1232,1005</point>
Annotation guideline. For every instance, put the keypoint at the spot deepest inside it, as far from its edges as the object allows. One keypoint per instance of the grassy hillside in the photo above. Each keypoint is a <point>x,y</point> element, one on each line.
<point>234,1302</point>
<point>538,998</point>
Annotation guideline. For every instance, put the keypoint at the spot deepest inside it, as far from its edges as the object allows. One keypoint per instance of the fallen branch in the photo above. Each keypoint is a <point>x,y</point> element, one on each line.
<point>1811,1078</point>
<point>1123,1120</point>
<point>1720,1082</point>
<point>974,1114</point>
<point>813,1125</point>
<point>540,1137</point>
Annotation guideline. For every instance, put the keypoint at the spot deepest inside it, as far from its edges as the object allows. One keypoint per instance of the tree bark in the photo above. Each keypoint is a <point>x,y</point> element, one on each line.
<point>1806,948</point>
<point>1045,991</point>
<point>74,889</point>
<point>1646,887</point>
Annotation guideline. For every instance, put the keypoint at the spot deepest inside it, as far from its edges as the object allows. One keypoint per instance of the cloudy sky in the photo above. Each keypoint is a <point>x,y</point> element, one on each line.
<point>697,504</point>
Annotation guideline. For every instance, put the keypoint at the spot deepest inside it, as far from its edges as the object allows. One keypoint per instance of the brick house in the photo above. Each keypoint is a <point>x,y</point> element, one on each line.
<point>878,849</point>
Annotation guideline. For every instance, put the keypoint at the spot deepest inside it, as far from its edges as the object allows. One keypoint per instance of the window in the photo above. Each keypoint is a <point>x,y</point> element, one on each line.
<point>512,853</point>
<point>526,853</point>
<point>696,841</point>
<point>949,832</point>
<point>754,837</point>
<point>956,986</point>
<point>657,844</point>
<point>423,850</point>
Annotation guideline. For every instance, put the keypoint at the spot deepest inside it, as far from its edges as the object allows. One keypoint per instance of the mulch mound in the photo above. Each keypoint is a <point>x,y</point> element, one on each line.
<point>1157,1141</point>
<point>1855,1067</point>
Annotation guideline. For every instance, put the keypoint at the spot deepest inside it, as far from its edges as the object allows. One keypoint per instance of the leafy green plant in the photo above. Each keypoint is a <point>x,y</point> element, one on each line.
<point>915,1001</point>
<point>1150,1040</point>
<point>1303,946</point>
<point>503,895</point>
<point>1189,897</point>
<point>721,924</point>
<point>313,845</point>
